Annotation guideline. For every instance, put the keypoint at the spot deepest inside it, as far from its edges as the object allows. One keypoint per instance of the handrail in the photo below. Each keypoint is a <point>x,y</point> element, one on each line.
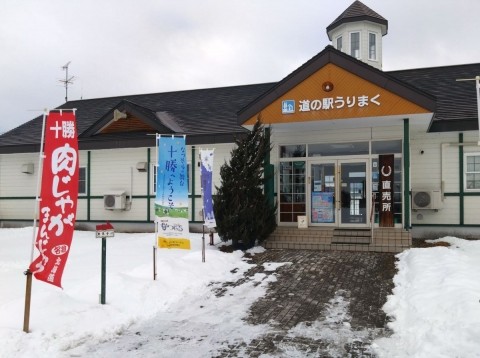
<point>372,210</point>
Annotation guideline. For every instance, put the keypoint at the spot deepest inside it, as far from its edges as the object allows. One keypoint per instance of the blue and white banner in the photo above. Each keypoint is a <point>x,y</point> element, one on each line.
<point>171,202</point>
<point>206,169</point>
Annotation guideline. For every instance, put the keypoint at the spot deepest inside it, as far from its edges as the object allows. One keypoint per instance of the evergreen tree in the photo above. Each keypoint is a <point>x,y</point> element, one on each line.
<point>242,210</point>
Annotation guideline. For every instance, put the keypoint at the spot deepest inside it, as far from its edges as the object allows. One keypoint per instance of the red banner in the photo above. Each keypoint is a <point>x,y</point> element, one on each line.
<point>59,192</point>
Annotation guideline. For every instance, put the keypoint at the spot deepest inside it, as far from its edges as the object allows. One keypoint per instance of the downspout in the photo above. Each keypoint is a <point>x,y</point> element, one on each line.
<point>461,187</point>
<point>268,173</point>
<point>193,165</point>
<point>89,168</point>
<point>406,172</point>
<point>148,184</point>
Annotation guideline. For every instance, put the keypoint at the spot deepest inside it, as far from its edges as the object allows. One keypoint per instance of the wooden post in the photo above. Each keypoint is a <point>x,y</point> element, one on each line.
<point>104,270</point>
<point>28,297</point>
<point>154,263</point>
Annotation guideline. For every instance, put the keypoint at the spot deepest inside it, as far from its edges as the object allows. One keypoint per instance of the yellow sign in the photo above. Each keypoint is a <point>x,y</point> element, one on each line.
<point>171,243</point>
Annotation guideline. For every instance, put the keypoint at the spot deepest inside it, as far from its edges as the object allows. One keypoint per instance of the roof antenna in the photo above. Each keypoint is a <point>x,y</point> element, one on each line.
<point>67,80</point>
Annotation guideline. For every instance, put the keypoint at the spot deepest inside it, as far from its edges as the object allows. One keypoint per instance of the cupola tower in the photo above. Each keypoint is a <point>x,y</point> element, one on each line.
<point>358,31</point>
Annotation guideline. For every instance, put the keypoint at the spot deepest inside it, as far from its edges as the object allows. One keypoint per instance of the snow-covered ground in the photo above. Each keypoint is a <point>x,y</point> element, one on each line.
<point>435,304</point>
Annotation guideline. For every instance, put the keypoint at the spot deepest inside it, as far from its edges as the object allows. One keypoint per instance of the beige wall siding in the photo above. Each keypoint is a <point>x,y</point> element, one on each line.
<point>472,210</point>
<point>12,181</point>
<point>449,214</point>
<point>113,169</point>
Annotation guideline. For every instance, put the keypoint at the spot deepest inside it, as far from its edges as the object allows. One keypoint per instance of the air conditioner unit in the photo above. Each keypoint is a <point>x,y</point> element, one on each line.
<point>427,199</point>
<point>115,200</point>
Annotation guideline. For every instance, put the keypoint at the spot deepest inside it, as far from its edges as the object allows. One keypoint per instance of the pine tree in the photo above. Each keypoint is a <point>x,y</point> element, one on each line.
<point>242,210</point>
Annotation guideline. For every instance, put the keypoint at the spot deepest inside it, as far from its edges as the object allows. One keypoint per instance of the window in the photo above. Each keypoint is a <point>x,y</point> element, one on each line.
<point>292,190</point>
<point>372,46</point>
<point>386,146</point>
<point>339,44</point>
<point>355,44</point>
<point>472,171</point>
<point>82,180</point>
<point>293,151</point>
<point>153,181</point>
<point>334,149</point>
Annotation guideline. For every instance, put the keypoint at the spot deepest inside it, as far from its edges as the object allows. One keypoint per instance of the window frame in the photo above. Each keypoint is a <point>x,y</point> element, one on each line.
<point>339,39</point>
<point>359,44</point>
<point>80,169</point>
<point>466,172</point>
<point>375,46</point>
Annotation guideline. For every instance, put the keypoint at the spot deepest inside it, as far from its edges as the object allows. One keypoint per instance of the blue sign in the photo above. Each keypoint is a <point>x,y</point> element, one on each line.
<point>288,106</point>
<point>171,202</point>
<point>206,157</point>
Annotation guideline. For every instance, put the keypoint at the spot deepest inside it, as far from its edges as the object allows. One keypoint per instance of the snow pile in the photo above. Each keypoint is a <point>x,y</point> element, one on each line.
<point>64,319</point>
<point>435,305</point>
<point>192,309</point>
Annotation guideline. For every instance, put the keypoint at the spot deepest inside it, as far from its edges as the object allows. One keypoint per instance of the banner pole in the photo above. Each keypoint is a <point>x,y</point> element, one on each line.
<point>155,243</point>
<point>203,243</point>
<point>28,273</point>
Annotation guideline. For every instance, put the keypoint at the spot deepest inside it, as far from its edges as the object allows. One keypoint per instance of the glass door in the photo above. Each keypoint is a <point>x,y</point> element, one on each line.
<point>323,193</point>
<point>338,193</point>
<point>353,193</point>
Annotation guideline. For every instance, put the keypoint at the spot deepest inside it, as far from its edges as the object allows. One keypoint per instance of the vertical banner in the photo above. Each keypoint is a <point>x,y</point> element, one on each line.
<point>387,170</point>
<point>58,193</point>
<point>171,202</point>
<point>206,169</point>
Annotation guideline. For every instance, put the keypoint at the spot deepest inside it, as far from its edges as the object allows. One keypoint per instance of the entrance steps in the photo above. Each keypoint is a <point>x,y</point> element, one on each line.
<point>330,238</point>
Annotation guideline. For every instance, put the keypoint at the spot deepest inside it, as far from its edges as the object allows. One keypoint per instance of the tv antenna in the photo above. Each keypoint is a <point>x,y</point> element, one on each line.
<point>68,80</point>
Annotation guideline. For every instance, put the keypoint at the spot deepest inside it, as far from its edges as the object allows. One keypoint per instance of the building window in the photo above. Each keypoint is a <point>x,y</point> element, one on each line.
<point>372,46</point>
<point>293,151</point>
<point>339,44</point>
<point>355,44</point>
<point>82,180</point>
<point>472,171</point>
<point>153,180</point>
<point>292,190</point>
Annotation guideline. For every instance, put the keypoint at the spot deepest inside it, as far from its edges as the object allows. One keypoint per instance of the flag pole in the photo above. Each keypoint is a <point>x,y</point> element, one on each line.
<point>155,243</point>
<point>28,273</point>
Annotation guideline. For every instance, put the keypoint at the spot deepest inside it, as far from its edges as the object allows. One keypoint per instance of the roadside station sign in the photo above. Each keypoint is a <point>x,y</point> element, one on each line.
<point>104,230</point>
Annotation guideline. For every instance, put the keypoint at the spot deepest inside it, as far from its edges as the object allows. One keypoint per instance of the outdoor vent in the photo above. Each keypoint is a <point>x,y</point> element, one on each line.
<point>427,200</point>
<point>27,168</point>
<point>114,200</point>
<point>142,166</point>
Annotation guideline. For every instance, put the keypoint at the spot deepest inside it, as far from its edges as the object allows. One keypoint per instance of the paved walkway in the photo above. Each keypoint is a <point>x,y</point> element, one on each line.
<point>323,304</point>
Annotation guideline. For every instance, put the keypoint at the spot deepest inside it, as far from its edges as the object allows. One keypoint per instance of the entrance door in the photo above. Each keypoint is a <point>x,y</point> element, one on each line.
<point>338,193</point>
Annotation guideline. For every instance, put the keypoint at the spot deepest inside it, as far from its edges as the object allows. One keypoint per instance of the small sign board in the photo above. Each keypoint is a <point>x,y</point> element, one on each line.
<point>173,243</point>
<point>104,230</point>
<point>302,222</point>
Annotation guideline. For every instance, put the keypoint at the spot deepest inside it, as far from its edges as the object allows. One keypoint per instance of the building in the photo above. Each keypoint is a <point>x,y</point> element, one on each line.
<point>334,122</point>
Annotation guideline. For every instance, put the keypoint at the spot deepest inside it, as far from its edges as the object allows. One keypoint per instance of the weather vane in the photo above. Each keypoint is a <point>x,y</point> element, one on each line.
<point>67,80</point>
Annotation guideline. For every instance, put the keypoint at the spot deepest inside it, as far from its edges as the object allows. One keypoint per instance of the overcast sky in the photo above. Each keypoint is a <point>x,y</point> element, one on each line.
<point>124,47</point>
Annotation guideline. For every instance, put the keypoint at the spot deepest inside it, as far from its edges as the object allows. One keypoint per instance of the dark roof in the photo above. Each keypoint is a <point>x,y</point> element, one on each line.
<point>204,115</point>
<point>214,115</point>
<point>406,90</point>
<point>358,12</point>
<point>456,101</point>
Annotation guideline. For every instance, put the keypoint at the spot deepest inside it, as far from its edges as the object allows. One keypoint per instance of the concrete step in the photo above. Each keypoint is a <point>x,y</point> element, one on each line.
<point>337,247</point>
<point>363,240</point>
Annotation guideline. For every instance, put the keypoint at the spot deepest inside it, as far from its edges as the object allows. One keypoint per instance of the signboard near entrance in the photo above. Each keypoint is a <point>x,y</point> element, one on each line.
<point>386,207</point>
<point>323,207</point>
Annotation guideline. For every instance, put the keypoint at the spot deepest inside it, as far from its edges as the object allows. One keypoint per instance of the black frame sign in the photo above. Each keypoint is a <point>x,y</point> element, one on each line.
<point>386,208</point>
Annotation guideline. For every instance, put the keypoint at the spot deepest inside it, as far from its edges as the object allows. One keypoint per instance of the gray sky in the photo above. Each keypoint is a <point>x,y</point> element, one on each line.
<point>123,47</point>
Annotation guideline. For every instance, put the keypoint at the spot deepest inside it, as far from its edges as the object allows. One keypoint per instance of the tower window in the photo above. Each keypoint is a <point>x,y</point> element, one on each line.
<point>372,46</point>
<point>339,44</point>
<point>355,44</point>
